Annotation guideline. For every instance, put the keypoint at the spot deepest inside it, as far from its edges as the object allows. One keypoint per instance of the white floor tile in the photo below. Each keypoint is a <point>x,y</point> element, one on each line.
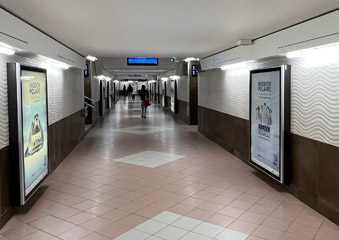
<point>186,223</point>
<point>149,158</point>
<point>167,217</point>
<point>133,235</point>
<point>229,234</point>
<point>208,229</point>
<point>194,236</point>
<point>151,226</point>
<point>171,233</point>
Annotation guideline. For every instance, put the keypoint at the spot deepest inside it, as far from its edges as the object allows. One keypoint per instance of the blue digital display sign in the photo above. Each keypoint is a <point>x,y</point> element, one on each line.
<point>143,61</point>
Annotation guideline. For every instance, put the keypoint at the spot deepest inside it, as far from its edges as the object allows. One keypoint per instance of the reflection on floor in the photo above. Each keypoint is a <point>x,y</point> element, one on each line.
<point>207,192</point>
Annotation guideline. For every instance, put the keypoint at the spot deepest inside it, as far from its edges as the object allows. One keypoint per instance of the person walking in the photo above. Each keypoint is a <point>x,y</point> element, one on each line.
<point>129,92</point>
<point>124,91</point>
<point>143,95</point>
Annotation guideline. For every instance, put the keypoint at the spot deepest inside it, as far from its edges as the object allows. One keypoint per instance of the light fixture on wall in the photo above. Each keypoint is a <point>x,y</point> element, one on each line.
<point>91,58</point>
<point>164,79</point>
<point>6,49</point>
<point>191,59</point>
<point>55,63</point>
<point>321,55</point>
<point>233,66</point>
<point>101,77</point>
<point>175,77</point>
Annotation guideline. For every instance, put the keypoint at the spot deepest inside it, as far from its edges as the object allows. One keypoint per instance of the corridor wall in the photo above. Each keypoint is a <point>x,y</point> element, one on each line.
<point>314,165</point>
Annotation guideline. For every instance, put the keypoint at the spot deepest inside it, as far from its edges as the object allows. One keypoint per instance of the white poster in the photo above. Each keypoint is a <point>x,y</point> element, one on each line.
<point>265,120</point>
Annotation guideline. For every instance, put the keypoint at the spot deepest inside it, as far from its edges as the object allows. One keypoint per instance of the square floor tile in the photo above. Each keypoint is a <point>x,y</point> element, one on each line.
<point>149,159</point>
<point>171,233</point>
<point>208,229</point>
<point>151,226</point>
<point>229,234</point>
<point>133,235</point>
<point>186,223</point>
<point>167,217</point>
<point>194,236</point>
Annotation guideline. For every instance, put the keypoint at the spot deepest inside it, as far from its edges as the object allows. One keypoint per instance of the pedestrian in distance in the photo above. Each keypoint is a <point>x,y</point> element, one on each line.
<point>144,95</point>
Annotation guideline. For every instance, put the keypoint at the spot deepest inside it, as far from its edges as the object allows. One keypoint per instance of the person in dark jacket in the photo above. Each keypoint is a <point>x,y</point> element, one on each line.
<point>143,95</point>
<point>129,92</point>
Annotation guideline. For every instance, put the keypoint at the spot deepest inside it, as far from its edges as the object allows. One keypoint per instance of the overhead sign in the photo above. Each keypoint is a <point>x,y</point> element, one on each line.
<point>174,59</point>
<point>268,118</point>
<point>143,61</point>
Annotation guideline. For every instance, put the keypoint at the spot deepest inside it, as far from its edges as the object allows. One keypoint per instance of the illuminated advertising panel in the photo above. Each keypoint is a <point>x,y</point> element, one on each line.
<point>28,125</point>
<point>268,120</point>
<point>34,123</point>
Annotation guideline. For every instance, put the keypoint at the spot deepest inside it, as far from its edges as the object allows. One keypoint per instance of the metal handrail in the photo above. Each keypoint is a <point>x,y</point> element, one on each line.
<point>90,99</point>
<point>89,105</point>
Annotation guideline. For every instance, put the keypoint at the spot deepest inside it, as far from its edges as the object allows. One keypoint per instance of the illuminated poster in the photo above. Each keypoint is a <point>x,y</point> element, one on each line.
<point>173,96</point>
<point>265,120</point>
<point>34,121</point>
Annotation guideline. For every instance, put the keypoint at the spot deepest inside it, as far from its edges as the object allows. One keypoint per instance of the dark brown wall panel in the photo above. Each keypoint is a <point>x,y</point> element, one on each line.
<point>313,166</point>
<point>64,135</point>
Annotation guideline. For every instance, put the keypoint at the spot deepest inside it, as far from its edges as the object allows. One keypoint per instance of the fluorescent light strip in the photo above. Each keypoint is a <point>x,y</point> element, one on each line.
<point>191,59</point>
<point>58,64</point>
<point>164,78</point>
<point>233,66</point>
<point>6,49</point>
<point>91,58</point>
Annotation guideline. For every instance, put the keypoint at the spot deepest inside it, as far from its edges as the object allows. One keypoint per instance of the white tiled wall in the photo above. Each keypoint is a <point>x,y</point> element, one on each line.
<point>65,91</point>
<point>314,96</point>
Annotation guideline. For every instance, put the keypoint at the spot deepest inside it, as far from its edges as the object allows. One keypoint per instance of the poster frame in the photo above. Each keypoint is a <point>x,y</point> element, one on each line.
<point>17,167</point>
<point>285,92</point>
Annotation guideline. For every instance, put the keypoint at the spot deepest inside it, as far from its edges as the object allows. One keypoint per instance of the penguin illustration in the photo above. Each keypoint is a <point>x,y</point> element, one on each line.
<point>36,137</point>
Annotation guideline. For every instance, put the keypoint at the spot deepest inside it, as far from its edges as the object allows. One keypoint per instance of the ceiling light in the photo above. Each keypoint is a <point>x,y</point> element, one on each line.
<point>164,78</point>
<point>191,59</point>
<point>101,77</point>
<point>108,79</point>
<point>6,49</point>
<point>174,77</point>
<point>233,66</point>
<point>91,58</point>
<point>58,64</point>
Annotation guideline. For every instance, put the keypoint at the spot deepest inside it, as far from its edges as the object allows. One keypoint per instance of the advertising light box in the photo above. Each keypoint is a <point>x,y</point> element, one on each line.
<point>27,87</point>
<point>269,107</point>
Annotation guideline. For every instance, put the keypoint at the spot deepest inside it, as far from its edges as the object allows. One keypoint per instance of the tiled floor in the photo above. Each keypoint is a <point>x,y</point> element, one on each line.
<point>150,159</point>
<point>207,191</point>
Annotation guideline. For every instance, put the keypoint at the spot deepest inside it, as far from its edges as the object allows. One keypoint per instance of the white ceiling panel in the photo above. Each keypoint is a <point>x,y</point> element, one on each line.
<point>161,28</point>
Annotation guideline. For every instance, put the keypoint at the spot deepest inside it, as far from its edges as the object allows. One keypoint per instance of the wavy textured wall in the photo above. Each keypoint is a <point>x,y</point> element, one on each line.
<point>314,96</point>
<point>65,91</point>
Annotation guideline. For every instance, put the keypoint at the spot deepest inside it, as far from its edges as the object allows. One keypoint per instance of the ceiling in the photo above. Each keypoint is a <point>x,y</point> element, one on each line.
<point>161,28</point>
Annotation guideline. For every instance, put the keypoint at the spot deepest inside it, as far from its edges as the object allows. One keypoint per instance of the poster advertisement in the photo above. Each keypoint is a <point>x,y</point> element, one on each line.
<point>34,121</point>
<point>265,120</point>
<point>173,96</point>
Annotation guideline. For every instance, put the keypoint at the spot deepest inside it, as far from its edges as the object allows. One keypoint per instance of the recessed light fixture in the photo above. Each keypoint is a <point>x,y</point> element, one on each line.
<point>164,78</point>
<point>58,64</point>
<point>6,49</point>
<point>108,79</point>
<point>101,77</point>
<point>91,58</point>
<point>191,59</point>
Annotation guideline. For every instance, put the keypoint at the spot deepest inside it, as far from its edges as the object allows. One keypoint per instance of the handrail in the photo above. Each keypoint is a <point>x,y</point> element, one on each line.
<point>90,99</point>
<point>87,104</point>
